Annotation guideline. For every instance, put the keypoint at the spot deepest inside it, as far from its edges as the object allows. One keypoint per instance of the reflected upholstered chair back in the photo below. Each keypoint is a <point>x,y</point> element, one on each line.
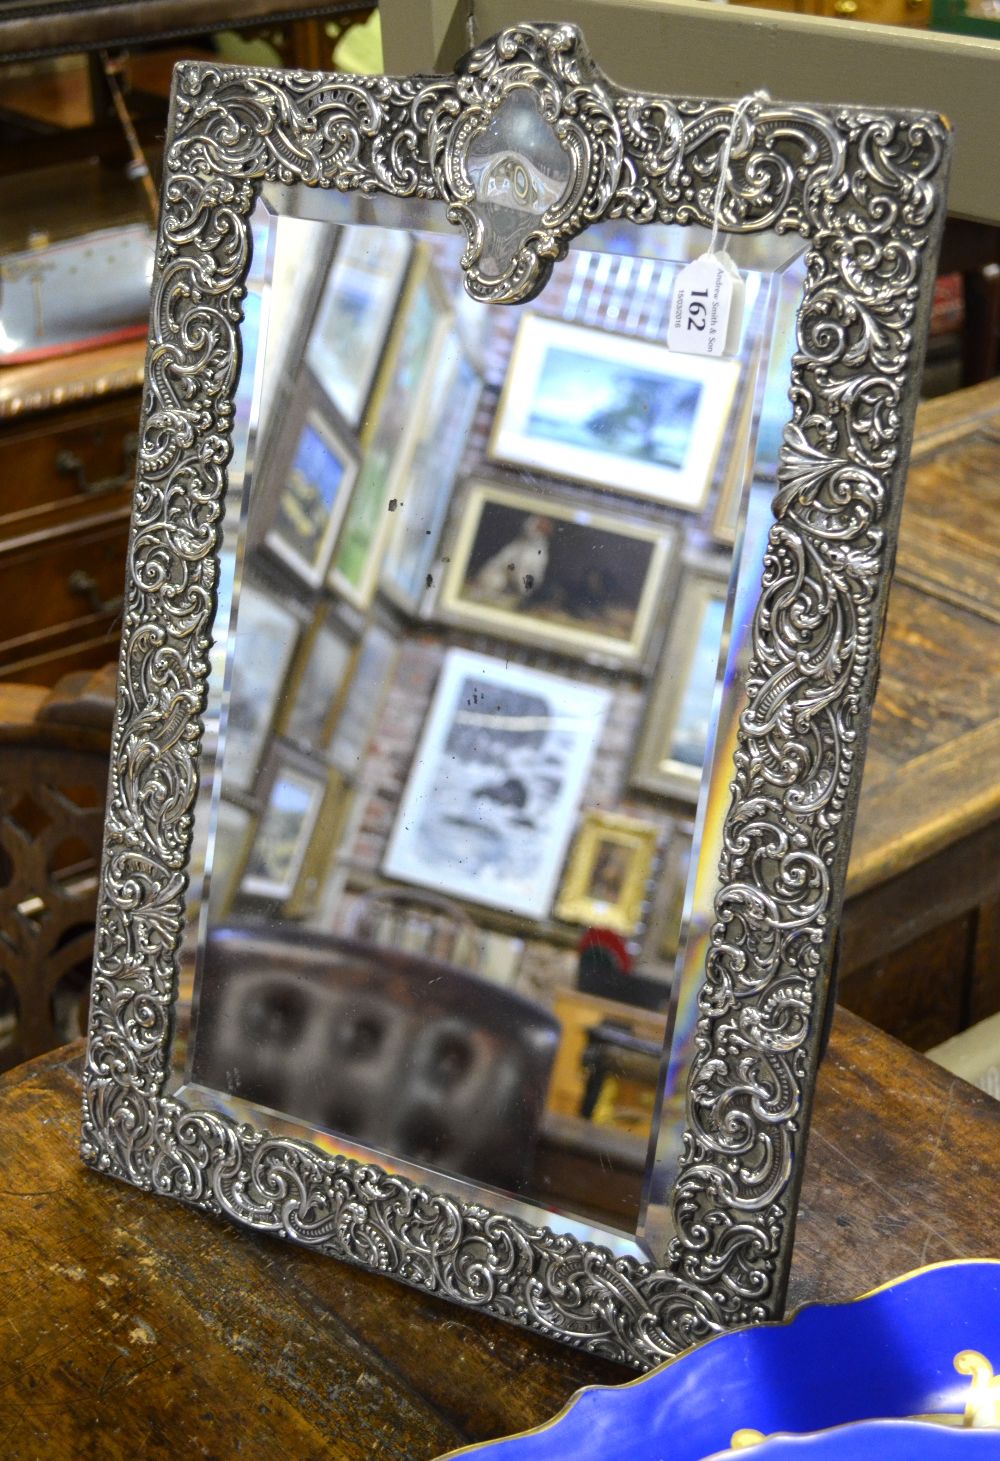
<point>399,1052</point>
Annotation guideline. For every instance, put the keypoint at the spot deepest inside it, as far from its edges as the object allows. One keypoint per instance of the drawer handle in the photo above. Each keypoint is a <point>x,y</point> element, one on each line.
<point>68,464</point>
<point>85,585</point>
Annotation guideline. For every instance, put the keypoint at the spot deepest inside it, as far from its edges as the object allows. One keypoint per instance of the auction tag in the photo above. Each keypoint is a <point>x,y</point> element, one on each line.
<point>706,311</point>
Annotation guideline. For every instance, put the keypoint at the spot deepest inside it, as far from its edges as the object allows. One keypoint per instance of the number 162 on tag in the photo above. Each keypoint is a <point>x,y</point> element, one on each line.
<point>706,308</point>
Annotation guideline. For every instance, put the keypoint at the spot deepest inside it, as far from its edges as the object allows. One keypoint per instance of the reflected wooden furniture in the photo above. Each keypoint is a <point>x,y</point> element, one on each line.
<point>53,778</point>
<point>51,114</point>
<point>622,1074</point>
<point>921,928</point>
<point>418,921</point>
<point>198,1332</point>
<point>579,1014</point>
<point>68,435</point>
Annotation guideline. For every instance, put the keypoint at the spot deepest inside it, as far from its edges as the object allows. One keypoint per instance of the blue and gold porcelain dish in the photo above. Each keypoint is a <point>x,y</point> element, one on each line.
<point>875,1440</point>
<point>924,1348</point>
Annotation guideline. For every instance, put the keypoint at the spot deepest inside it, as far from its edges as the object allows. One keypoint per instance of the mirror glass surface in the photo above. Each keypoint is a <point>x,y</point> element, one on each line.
<point>479,651</point>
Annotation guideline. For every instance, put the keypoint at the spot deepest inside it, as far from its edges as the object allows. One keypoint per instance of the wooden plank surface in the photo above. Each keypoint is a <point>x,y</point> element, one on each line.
<point>132,1327</point>
<point>930,772</point>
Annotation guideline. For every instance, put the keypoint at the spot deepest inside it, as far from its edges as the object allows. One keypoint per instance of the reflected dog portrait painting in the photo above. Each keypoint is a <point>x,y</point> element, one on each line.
<point>548,570</point>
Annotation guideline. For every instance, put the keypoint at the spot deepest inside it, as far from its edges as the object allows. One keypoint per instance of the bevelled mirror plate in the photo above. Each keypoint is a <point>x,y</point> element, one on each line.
<point>495,680</point>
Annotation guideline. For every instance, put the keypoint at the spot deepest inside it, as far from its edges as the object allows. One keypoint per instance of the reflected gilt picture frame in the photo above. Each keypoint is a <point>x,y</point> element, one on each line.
<point>357,710</point>
<point>520,563</point>
<point>864,187</point>
<point>432,470</point>
<point>296,787</point>
<point>608,873</point>
<point>311,481</point>
<point>327,653</point>
<point>269,632</point>
<point>355,315</point>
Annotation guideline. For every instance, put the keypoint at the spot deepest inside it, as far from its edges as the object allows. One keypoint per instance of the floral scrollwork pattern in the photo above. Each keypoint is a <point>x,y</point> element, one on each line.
<point>866,190</point>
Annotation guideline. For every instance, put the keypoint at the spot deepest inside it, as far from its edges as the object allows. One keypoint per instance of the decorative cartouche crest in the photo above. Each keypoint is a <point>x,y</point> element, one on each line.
<point>528,151</point>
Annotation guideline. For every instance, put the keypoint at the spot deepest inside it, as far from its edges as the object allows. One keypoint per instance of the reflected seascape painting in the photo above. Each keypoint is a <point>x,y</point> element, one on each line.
<point>355,315</point>
<point>312,502</point>
<point>621,412</point>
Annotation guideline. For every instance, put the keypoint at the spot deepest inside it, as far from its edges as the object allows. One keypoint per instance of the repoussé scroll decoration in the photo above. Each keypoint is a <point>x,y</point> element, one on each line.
<point>865,187</point>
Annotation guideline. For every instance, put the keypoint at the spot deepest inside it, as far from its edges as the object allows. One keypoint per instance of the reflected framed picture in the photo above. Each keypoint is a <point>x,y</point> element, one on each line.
<point>431,472</point>
<point>663,933</point>
<point>608,872</point>
<point>726,514</point>
<point>548,569</point>
<point>355,315</point>
<point>313,883</point>
<point>231,843</point>
<point>359,709</point>
<point>311,479</point>
<point>265,636</point>
<point>674,740</point>
<point>316,682</point>
<point>491,802</point>
<point>277,854</point>
<point>391,432</point>
<point>613,411</point>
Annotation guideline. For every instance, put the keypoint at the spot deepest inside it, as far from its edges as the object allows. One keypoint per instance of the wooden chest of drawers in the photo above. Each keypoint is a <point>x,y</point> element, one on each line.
<point>67,453</point>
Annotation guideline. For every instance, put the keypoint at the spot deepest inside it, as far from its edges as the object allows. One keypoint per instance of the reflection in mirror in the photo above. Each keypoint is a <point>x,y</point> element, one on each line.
<point>456,834</point>
<point>518,169</point>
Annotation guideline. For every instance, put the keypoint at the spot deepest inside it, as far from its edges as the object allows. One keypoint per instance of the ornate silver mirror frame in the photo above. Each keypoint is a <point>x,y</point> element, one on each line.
<point>866,190</point>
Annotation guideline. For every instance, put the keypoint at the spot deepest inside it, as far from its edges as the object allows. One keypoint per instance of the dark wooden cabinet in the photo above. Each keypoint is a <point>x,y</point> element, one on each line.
<point>65,464</point>
<point>68,435</point>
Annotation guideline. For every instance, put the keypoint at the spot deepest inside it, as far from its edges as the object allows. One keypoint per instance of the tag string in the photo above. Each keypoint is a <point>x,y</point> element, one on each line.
<point>471,27</point>
<point>742,108</point>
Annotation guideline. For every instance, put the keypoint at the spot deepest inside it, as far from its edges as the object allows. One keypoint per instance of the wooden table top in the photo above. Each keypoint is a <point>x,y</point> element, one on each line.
<point>920,932</point>
<point>132,1327</point>
<point>930,770</point>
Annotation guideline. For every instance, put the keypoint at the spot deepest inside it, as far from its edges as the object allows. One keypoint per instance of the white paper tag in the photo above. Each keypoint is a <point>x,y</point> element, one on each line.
<point>706,310</point>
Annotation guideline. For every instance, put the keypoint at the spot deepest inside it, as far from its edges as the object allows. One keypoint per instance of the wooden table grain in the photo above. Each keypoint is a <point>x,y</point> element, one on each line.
<point>921,926</point>
<point>133,1327</point>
